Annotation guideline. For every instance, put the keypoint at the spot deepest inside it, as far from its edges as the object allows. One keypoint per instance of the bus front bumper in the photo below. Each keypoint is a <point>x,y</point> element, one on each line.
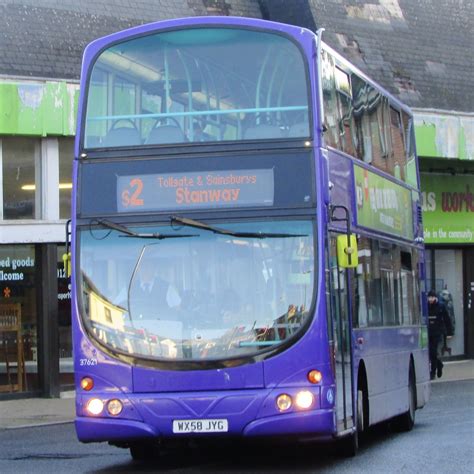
<point>240,413</point>
<point>92,430</point>
<point>314,423</point>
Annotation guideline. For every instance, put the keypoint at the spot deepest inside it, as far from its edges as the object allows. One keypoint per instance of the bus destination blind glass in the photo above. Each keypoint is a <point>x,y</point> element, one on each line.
<point>196,190</point>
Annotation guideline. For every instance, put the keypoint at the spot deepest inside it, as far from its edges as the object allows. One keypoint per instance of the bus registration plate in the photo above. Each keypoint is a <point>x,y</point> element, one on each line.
<point>200,426</point>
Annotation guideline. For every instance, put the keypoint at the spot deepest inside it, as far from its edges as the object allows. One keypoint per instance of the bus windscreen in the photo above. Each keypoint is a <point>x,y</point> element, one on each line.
<point>216,292</point>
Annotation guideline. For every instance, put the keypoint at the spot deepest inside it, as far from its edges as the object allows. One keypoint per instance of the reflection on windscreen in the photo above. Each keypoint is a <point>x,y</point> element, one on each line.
<point>204,296</point>
<point>197,85</point>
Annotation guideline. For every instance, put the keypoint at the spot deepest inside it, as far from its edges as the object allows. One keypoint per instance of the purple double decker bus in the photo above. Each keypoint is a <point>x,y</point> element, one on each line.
<point>247,251</point>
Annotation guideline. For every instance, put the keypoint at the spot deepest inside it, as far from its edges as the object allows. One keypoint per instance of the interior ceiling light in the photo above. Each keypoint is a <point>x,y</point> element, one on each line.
<point>32,187</point>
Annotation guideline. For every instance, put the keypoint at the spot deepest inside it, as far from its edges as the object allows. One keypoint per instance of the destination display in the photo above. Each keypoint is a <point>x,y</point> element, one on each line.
<point>195,190</point>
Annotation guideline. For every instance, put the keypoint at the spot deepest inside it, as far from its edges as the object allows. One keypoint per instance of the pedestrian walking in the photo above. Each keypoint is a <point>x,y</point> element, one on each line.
<point>439,324</point>
<point>447,299</point>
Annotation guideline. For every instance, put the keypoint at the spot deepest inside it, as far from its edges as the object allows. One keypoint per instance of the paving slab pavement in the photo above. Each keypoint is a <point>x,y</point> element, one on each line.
<point>457,370</point>
<point>47,411</point>
<point>27,412</point>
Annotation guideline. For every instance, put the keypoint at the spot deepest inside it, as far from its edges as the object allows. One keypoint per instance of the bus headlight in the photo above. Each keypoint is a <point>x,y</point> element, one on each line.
<point>114,407</point>
<point>304,399</point>
<point>95,406</point>
<point>283,402</point>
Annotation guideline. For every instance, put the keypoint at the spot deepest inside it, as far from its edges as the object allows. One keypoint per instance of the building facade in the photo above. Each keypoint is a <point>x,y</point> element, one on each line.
<point>445,142</point>
<point>36,151</point>
<point>391,40</point>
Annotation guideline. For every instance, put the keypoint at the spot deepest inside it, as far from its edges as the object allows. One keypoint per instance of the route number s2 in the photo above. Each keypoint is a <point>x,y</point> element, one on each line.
<point>131,197</point>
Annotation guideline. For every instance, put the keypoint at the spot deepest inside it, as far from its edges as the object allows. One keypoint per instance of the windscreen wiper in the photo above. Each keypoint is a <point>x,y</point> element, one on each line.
<point>251,235</point>
<point>141,235</point>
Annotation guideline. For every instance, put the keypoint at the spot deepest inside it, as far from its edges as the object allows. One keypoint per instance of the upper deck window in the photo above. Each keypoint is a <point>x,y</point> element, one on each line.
<point>197,85</point>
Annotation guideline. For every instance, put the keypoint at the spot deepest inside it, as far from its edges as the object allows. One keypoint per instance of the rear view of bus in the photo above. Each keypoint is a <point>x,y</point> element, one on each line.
<point>199,238</point>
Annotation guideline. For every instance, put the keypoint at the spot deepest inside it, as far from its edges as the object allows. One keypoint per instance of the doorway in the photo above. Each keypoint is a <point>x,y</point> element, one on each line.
<point>445,274</point>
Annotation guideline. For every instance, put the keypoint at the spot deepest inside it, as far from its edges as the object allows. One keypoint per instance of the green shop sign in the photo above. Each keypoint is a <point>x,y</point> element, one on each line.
<point>444,135</point>
<point>38,109</point>
<point>382,204</point>
<point>448,208</point>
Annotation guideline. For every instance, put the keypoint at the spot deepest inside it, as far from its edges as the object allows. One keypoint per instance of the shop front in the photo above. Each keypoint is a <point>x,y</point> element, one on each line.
<point>448,217</point>
<point>37,127</point>
<point>445,145</point>
<point>30,351</point>
<point>18,319</point>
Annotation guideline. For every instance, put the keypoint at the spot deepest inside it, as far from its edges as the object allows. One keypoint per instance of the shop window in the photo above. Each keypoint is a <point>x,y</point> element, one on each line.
<point>66,155</point>
<point>20,163</point>
<point>18,319</point>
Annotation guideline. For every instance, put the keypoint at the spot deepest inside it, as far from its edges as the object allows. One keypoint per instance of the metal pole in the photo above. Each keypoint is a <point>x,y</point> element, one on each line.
<point>48,335</point>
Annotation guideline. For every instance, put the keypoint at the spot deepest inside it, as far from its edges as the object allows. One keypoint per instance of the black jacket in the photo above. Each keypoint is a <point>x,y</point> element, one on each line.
<point>439,322</point>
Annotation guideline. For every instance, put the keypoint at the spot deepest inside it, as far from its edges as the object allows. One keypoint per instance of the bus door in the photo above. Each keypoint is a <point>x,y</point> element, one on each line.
<point>339,291</point>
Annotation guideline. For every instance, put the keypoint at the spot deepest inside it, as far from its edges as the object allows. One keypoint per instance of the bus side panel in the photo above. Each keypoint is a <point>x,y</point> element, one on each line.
<point>386,353</point>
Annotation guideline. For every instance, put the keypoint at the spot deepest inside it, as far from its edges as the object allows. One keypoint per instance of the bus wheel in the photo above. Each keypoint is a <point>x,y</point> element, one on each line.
<point>406,421</point>
<point>361,415</point>
<point>142,451</point>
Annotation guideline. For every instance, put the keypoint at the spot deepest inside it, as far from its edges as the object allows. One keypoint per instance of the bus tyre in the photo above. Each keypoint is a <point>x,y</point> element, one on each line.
<point>406,421</point>
<point>142,452</point>
<point>361,412</point>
